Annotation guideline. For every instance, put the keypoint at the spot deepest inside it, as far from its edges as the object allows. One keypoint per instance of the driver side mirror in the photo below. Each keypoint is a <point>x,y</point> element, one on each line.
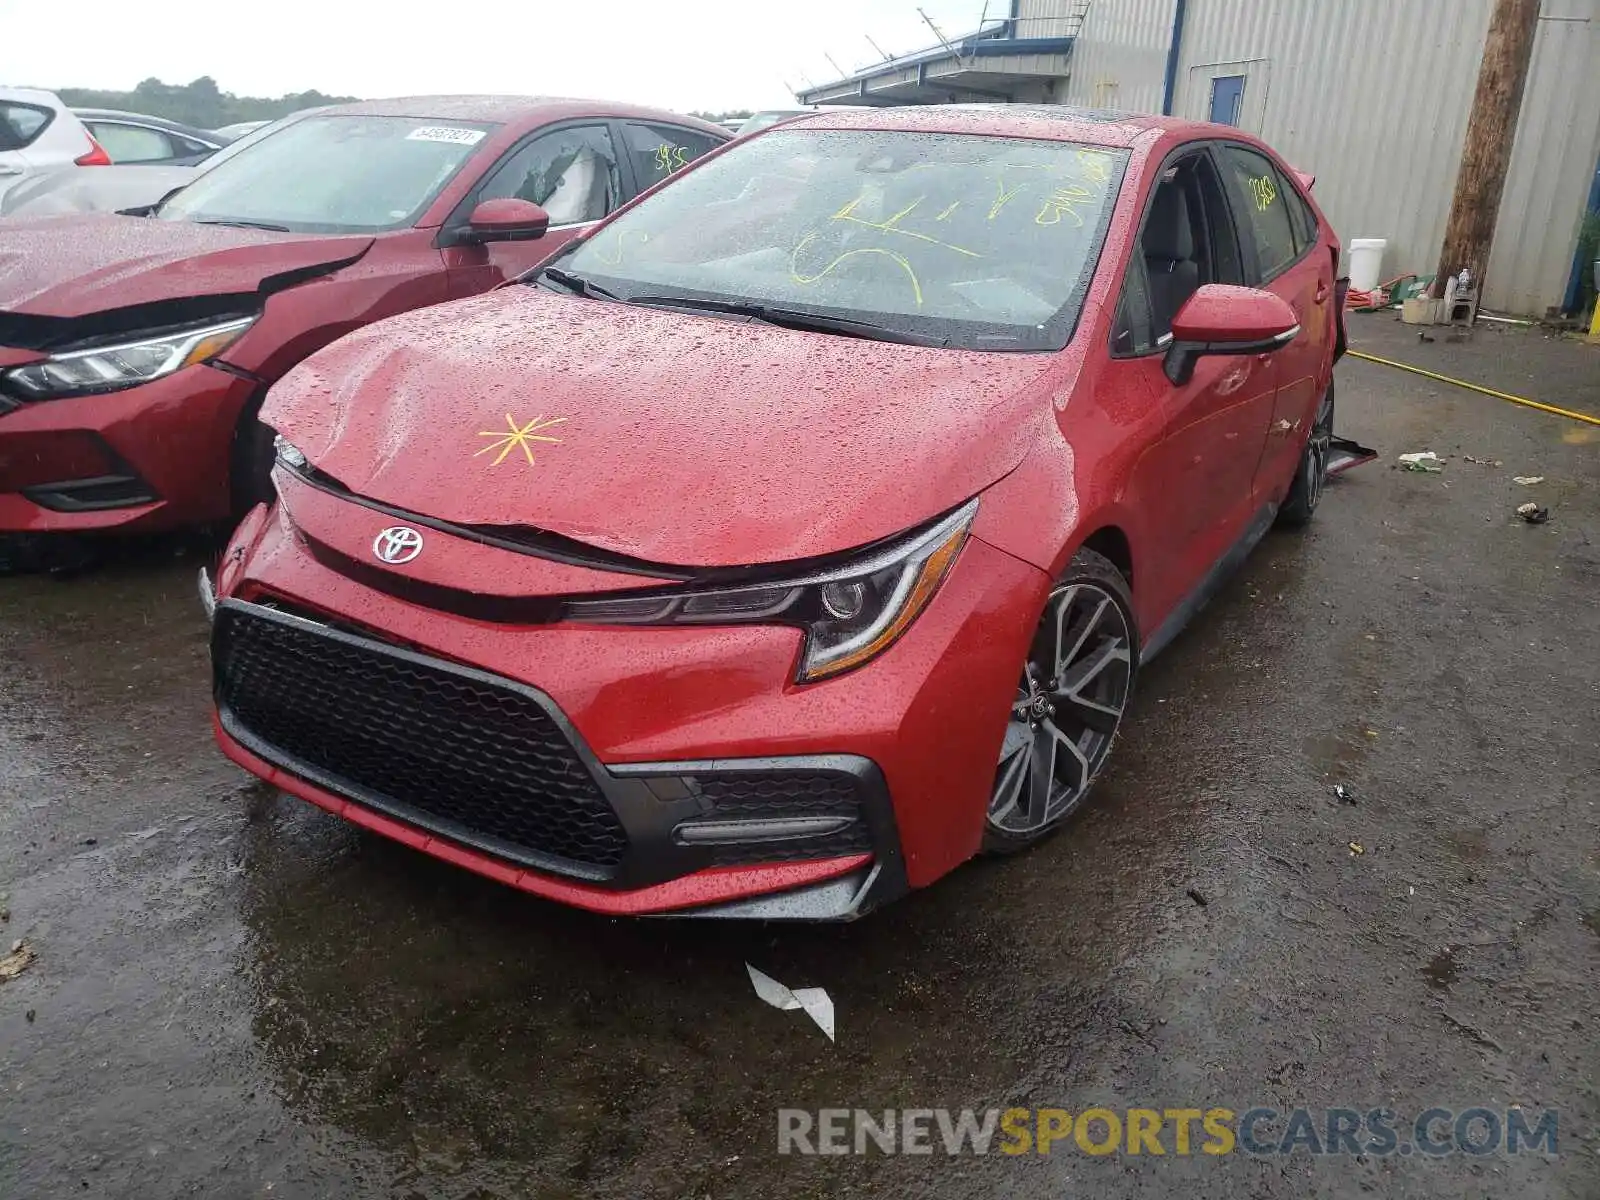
<point>506,219</point>
<point>1222,319</point>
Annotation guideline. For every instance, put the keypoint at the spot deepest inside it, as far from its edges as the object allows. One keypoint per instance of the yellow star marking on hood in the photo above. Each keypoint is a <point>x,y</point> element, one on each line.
<point>518,437</point>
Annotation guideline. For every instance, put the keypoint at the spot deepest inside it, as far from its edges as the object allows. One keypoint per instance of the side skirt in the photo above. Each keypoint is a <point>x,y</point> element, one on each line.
<point>1221,571</point>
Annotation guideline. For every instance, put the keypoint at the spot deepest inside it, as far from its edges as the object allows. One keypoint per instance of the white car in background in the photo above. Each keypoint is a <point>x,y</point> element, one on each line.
<point>133,186</point>
<point>39,133</point>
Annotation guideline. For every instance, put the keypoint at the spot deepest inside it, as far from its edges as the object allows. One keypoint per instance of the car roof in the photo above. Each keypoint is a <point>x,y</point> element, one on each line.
<point>510,109</point>
<point>1048,122</point>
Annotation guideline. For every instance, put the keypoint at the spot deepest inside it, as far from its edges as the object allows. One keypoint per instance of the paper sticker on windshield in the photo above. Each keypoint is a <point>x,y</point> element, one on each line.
<point>446,133</point>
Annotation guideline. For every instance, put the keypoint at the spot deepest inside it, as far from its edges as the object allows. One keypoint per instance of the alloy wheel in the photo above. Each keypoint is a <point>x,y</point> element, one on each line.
<point>1069,704</point>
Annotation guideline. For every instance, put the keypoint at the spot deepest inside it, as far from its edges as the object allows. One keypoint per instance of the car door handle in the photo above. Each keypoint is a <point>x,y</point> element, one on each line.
<point>1322,292</point>
<point>10,170</point>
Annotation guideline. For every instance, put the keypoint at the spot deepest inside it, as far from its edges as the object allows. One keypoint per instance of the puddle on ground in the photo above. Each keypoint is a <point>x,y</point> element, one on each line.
<point>1442,970</point>
<point>1470,845</point>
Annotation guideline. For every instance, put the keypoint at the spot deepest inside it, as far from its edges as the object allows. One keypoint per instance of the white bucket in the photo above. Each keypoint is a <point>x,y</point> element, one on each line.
<point>1366,262</point>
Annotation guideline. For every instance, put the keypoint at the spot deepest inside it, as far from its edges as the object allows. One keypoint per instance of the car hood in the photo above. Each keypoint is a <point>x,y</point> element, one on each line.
<point>77,265</point>
<point>677,439</point>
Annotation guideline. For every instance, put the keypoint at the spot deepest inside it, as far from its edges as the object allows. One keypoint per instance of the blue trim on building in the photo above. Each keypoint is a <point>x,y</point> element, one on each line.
<point>1170,85</point>
<point>1581,269</point>
<point>1016,45</point>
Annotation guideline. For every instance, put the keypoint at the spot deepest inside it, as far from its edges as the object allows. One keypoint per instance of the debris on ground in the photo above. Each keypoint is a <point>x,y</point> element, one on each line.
<point>1527,480</point>
<point>18,961</point>
<point>1198,897</point>
<point>1533,514</point>
<point>1346,796</point>
<point>814,1001</point>
<point>1482,462</point>
<point>30,1015</point>
<point>1357,848</point>
<point>1421,460</point>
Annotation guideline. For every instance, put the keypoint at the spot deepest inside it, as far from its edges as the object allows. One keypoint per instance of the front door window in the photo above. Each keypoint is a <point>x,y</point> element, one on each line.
<point>571,173</point>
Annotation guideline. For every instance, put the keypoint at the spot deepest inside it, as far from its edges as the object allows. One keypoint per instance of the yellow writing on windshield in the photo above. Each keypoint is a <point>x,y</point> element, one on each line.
<point>1064,201</point>
<point>669,157</point>
<point>899,260</point>
<point>1095,165</point>
<point>614,259</point>
<point>892,224</point>
<point>1265,192</point>
<point>1003,196</point>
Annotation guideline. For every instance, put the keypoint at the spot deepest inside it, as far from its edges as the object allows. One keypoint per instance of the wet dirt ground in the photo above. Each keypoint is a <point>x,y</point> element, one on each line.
<point>236,995</point>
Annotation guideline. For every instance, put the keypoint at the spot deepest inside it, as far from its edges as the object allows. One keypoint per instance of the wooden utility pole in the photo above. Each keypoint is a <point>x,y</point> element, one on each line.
<point>1491,130</point>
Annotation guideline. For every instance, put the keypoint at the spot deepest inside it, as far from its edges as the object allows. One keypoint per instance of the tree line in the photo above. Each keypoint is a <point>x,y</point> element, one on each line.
<point>200,103</point>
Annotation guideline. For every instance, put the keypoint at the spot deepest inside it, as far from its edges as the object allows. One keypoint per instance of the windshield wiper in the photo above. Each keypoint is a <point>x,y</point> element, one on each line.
<point>576,284</point>
<point>268,225</point>
<point>795,318</point>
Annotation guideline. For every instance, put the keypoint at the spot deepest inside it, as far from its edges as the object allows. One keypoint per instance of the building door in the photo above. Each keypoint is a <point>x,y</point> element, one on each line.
<point>1228,93</point>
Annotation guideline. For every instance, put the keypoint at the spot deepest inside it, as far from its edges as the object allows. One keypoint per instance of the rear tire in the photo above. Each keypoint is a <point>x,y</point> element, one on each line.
<point>1311,473</point>
<point>1075,687</point>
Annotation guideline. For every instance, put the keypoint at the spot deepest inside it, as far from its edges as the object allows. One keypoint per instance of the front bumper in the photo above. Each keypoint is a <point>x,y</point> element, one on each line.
<point>146,458</point>
<point>664,721</point>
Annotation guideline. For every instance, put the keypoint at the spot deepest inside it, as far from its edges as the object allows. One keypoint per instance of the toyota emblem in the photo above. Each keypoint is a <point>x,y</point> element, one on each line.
<point>397,544</point>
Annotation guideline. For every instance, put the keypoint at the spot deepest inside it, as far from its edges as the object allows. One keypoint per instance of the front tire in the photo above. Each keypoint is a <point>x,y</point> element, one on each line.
<point>1075,686</point>
<point>1311,473</point>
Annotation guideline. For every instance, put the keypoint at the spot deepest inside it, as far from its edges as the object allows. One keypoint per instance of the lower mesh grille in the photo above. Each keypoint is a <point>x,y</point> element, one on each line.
<point>441,747</point>
<point>778,794</point>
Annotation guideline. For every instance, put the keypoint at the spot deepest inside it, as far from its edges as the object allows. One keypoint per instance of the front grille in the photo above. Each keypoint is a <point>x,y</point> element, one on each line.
<point>773,794</point>
<point>442,747</point>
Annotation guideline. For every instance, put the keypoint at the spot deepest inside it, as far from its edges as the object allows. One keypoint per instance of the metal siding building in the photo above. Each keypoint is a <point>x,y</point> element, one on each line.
<point>1121,56</point>
<point>1372,96</point>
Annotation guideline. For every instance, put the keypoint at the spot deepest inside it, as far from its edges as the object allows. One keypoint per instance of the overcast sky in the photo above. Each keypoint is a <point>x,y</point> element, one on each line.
<point>681,54</point>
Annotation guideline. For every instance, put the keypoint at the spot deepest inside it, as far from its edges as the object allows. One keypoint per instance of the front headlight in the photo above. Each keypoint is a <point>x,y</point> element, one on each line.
<point>288,453</point>
<point>109,368</point>
<point>851,614</point>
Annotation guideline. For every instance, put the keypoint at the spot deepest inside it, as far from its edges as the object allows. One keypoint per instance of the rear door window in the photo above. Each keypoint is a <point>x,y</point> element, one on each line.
<point>21,124</point>
<point>1262,196</point>
<point>131,143</point>
<point>571,173</point>
<point>1301,217</point>
<point>660,150</point>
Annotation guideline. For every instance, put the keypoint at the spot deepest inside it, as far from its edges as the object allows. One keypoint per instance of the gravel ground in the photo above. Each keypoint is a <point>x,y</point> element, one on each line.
<point>236,995</point>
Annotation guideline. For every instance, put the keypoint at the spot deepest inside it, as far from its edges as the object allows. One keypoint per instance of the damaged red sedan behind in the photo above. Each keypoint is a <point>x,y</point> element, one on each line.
<point>135,350</point>
<point>799,533</point>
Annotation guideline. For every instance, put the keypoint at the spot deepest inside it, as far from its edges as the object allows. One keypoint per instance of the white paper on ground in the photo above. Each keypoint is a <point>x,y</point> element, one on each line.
<point>813,1001</point>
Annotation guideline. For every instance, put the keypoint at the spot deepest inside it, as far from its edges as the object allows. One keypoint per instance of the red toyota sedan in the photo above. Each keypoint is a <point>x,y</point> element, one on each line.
<point>798,534</point>
<point>135,351</point>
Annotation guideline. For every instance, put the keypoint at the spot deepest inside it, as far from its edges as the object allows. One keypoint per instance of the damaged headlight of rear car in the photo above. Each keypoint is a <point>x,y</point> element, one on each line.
<point>289,454</point>
<point>122,364</point>
<point>850,613</point>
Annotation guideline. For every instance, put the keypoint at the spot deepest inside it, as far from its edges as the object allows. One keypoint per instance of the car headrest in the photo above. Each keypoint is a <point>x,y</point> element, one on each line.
<point>1167,234</point>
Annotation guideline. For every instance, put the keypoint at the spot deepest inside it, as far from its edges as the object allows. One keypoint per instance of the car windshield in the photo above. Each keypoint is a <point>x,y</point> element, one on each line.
<point>983,243</point>
<point>332,174</point>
